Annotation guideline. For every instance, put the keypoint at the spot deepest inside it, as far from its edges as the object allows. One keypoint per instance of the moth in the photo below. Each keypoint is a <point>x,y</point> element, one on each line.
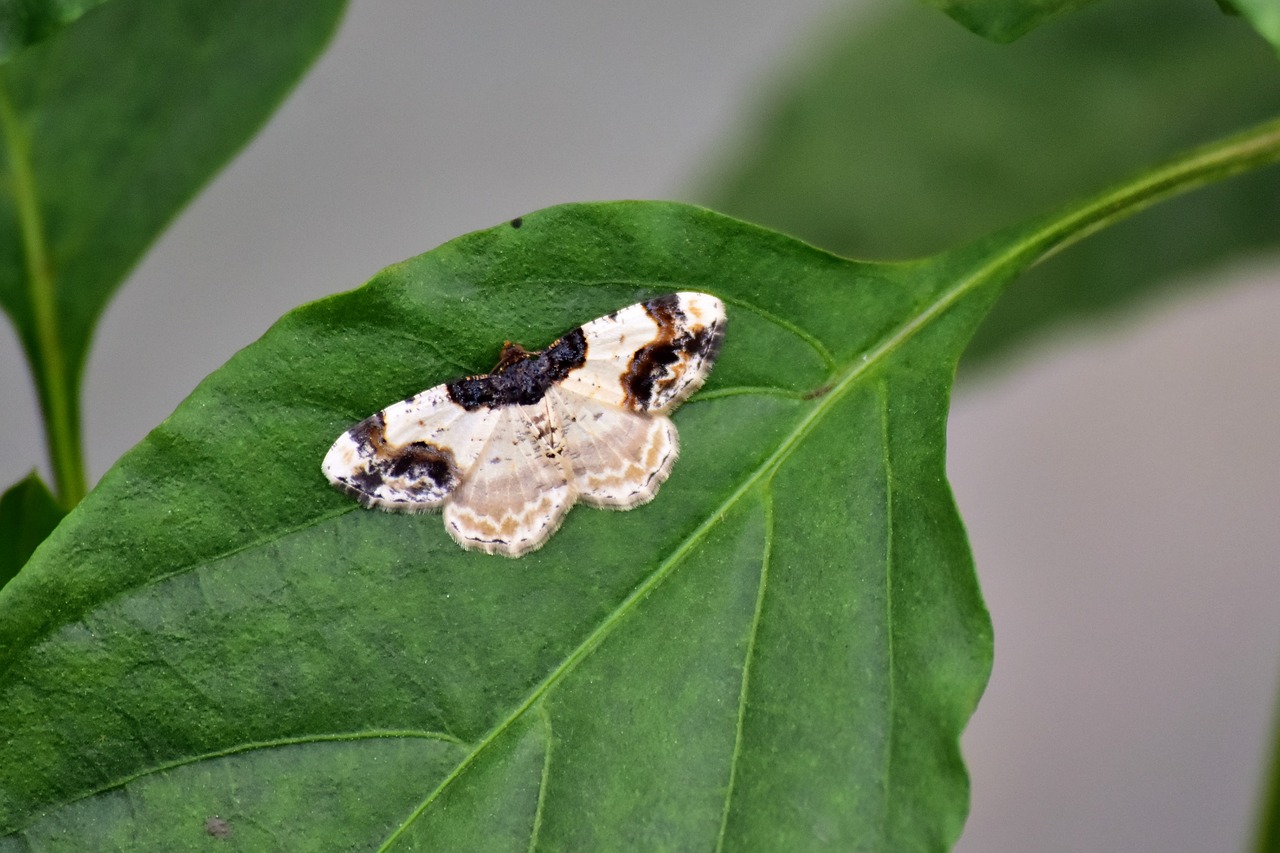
<point>507,453</point>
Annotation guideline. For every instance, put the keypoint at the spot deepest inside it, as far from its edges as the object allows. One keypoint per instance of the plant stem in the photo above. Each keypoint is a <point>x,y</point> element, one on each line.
<point>1233,155</point>
<point>1268,840</point>
<point>48,361</point>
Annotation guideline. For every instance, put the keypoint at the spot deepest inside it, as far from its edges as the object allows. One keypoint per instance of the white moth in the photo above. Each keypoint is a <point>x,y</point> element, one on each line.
<point>507,453</point>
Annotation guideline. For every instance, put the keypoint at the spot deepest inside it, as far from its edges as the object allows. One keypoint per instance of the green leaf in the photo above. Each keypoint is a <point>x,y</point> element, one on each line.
<point>779,652</point>
<point>25,22</point>
<point>907,136</point>
<point>1265,17</point>
<point>109,127</point>
<point>28,514</point>
<point>1005,20</point>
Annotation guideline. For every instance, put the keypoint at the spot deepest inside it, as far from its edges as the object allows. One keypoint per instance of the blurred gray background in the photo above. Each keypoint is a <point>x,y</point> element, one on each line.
<point>1120,487</point>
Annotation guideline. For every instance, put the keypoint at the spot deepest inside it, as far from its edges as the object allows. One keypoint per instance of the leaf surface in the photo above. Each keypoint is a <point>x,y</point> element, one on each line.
<point>906,135</point>
<point>28,513</point>
<point>109,127</point>
<point>779,652</point>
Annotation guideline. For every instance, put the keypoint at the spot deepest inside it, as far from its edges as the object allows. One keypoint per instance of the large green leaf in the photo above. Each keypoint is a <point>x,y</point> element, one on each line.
<point>907,135</point>
<point>109,127</point>
<point>28,513</point>
<point>778,653</point>
<point>1005,20</point>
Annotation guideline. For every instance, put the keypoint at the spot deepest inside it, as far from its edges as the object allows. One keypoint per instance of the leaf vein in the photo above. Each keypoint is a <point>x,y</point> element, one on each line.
<point>766,496</point>
<point>746,390</point>
<point>816,345</point>
<point>882,394</point>
<point>545,719</point>
<point>239,749</point>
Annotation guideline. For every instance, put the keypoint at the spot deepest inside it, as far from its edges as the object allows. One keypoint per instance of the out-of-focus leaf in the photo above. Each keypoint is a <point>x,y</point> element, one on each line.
<point>908,135</point>
<point>1265,17</point>
<point>1005,20</point>
<point>25,22</point>
<point>109,127</point>
<point>779,653</point>
<point>28,513</point>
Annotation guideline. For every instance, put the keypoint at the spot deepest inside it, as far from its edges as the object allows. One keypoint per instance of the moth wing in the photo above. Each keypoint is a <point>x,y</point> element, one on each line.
<point>611,341</point>
<point>618,457</point>
<point>412,455</point>
<point>517,493</point>
<point>649,357</point>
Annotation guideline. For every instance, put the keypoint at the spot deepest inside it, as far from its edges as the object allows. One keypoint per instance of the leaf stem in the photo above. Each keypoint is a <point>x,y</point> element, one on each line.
<point>48,361</point>
<point>1233,155</point>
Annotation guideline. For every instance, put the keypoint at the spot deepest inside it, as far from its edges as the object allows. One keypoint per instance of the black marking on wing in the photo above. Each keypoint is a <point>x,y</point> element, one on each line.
<point>521,381</point>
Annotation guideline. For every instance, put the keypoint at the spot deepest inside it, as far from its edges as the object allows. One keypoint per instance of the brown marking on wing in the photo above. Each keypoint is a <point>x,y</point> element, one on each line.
<point>661,363</point>
<point>412,463</point>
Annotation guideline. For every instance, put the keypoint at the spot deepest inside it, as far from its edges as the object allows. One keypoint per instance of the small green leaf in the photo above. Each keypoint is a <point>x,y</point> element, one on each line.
<point>961,138</point>
<point>779,652</point>
<point>108,128</point>
<point>28,514</point>
<point>25,22</point>
<point>1005,20</point>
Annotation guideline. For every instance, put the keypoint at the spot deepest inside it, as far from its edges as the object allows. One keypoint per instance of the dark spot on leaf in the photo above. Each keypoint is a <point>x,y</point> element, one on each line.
<point>217,827</point>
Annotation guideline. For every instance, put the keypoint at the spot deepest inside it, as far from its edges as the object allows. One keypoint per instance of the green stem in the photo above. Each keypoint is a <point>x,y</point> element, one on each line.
<point>1269,808</point>
<point>49,359</point>
<point>1242,152</point>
